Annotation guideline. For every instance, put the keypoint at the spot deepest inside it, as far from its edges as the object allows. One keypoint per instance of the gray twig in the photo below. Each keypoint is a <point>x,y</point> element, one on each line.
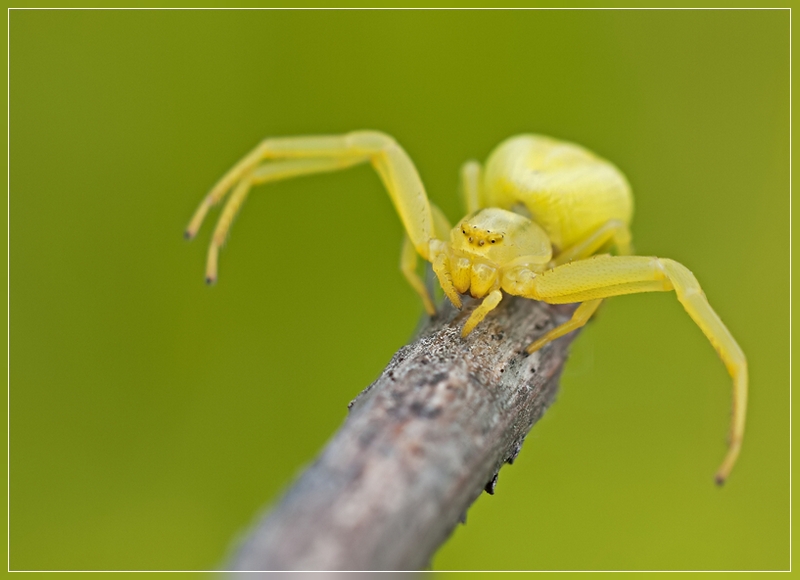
<point>419,446</point>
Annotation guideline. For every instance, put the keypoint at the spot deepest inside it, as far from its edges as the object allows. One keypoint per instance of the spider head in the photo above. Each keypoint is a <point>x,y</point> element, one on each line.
<point>485,244</point>
<point>498,236</point>
<point>480,233</point>
<point>478,237</point>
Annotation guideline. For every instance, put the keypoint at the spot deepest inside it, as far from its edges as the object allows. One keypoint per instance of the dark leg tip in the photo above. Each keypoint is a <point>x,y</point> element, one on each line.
<point>210,281</point>
<point>719,480</point>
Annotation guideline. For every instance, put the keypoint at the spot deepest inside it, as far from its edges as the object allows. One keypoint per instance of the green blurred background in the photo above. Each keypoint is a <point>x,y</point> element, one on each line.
<point>151,417</point>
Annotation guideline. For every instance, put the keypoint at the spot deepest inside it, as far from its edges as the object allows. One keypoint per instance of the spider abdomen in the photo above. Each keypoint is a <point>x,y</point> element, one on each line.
<point>568,190</point>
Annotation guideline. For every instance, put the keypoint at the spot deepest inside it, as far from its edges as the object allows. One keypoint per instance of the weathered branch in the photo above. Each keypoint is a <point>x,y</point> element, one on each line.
<point>419,446</point>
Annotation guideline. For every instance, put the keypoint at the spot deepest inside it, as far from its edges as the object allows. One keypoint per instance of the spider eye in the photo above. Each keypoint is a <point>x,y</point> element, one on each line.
<point>493,241</point>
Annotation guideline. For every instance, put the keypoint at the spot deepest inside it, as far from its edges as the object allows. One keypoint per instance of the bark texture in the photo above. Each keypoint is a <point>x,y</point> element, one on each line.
<point>420,444</point>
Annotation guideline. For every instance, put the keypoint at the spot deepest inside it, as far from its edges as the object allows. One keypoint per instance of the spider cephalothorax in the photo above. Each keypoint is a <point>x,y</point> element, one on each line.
<point>577,205</point>
<point>483,248</point>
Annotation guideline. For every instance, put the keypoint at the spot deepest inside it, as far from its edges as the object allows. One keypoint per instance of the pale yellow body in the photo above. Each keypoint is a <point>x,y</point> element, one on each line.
<point>567,190</point>
<point>541,218</point>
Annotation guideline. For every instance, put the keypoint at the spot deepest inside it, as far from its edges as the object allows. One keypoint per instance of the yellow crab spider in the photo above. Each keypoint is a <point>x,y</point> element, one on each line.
<point>541,216</point>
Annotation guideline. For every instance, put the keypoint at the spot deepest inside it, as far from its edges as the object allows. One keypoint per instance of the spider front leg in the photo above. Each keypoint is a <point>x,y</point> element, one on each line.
<point>613,232</point>
<point>606,276</point>
<point>270,171</point>
<point>295,156</point>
